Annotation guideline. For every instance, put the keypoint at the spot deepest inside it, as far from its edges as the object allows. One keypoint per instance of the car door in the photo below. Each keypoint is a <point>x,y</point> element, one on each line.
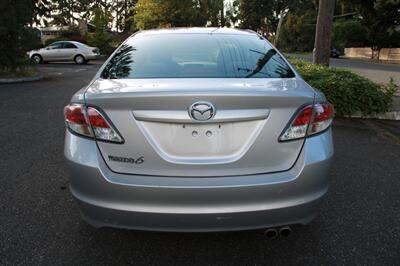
<point>68,51</point>
<point>52,52</point>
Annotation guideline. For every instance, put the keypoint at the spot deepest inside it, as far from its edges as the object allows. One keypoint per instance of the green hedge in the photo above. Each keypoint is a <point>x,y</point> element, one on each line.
<point>347,91</point>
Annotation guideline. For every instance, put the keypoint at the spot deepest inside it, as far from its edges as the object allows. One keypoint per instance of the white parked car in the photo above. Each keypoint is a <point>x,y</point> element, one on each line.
<point>65,51</point>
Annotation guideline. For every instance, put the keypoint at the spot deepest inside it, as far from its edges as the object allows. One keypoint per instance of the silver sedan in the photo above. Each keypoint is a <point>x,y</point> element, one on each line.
<point>198,129</point>
<point>65,51</point>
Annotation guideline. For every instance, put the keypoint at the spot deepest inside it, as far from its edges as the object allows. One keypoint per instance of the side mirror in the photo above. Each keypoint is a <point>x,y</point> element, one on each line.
<point>47,48</point>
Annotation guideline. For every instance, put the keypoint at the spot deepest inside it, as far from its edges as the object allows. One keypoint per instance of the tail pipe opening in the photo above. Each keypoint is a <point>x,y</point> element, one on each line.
<point>271,233</point>
<point>285,231</point>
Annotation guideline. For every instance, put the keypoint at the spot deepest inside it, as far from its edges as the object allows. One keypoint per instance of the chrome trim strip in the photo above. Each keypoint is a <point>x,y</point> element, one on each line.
<point>182,116</point>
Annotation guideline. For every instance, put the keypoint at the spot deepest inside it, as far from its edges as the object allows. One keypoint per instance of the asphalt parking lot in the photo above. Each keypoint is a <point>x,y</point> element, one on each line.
<point>359,222</point>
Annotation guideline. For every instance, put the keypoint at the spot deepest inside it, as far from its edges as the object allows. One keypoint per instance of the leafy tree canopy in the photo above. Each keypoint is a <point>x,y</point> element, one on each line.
<point>382,20</point>
<point>176,13</point>
<point>16,37</point>
<point>100,37</point>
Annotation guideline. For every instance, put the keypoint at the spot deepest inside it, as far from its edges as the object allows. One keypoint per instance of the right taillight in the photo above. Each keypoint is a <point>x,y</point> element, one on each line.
<point>310,120</point>
<point>90,122</point>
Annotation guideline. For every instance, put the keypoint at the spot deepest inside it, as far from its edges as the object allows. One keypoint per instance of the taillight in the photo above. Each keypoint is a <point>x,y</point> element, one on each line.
<point>90,123</point>
<point>101,128</point>
<point>75,120</point>
<point>323,117</point>
<point>311,120</point>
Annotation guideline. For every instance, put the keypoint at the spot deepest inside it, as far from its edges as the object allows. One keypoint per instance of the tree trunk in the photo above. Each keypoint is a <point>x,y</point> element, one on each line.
<point>278,29</point>
<point>222,14</point>
<point>323,32</point>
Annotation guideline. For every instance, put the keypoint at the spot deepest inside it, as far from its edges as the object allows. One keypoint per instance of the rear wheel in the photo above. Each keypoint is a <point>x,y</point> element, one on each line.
<point>79,59</point>
<point>37,58</point>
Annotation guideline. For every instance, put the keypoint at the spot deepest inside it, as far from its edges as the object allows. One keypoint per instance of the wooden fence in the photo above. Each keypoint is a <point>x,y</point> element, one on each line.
<point>391,55</point>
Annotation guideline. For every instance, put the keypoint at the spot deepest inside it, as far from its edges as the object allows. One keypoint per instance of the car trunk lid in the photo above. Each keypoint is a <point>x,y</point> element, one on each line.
<point>162,139</point>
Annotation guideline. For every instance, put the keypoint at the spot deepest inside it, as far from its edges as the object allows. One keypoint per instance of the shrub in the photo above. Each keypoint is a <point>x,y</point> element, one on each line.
<point>347,91</point>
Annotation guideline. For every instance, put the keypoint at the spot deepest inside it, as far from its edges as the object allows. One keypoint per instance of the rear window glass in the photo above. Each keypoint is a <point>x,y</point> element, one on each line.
<point>196,56</point>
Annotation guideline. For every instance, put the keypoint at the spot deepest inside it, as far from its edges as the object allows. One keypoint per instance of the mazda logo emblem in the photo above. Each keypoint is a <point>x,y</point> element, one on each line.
<point>201,111</point>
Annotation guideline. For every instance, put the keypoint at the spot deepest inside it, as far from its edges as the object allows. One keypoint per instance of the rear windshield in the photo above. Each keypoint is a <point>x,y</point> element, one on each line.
<point>196,56</point>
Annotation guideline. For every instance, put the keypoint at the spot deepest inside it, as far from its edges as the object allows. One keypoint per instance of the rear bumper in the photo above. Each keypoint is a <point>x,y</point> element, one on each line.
<point>92,57</point>
<point>198,204</point>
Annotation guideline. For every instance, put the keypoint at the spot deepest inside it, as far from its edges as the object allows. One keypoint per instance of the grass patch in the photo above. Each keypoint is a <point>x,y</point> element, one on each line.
<point>347,91</point>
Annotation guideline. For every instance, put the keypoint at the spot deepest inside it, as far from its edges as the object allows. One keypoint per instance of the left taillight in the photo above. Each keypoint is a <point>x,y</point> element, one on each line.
<point>76,120</point>
<point>310,120</point>
<point>89,122</point>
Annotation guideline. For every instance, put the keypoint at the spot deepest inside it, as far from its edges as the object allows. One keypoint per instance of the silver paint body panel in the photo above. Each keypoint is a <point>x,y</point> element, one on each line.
<point>152,116</point>
<point>198,203</point>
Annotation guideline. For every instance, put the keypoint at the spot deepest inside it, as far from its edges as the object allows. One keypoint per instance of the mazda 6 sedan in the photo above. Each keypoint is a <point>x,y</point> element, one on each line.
<point>198,129</point>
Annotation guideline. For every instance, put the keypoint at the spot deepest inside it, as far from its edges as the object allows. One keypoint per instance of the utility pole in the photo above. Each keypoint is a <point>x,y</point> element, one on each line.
<point>323,32</point>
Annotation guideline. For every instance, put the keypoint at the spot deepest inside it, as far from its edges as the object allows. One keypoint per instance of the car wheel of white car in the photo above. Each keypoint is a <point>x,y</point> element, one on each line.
<point>79,60</point>
<point>37,58</point>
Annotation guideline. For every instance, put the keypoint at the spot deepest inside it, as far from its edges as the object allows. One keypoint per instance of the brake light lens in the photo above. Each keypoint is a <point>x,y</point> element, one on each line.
<point>323,117</point>
<point>90,123</point>
<point>75,120</point>
<point>101,128</point>
<point>311,120</point>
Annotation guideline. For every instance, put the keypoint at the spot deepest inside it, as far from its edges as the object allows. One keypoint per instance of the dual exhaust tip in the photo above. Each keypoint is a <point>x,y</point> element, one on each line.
<point>272,233</point>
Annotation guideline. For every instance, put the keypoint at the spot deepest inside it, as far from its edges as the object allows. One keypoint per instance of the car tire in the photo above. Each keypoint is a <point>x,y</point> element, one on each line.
<point>37,58</point>
<point>79,60</point>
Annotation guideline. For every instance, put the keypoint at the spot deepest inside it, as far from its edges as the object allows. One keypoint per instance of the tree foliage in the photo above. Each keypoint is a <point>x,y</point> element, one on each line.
<point>100,37</point>
<point>381,18</point>
<point>349,33</point>
<point>149,14</point>
<point>15,37</point>
<point>263,16</point>
<point>298,32</point>
<point>70,12</point>
<point>176,13</point>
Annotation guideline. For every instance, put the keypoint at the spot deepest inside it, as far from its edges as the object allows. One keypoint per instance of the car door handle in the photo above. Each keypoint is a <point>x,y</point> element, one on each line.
<point>182,116</point>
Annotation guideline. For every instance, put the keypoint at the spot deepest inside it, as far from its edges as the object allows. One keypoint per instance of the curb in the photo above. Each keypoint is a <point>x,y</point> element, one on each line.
<point>22,79</point>
<point>393,115</point>
<point>382,62</point>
